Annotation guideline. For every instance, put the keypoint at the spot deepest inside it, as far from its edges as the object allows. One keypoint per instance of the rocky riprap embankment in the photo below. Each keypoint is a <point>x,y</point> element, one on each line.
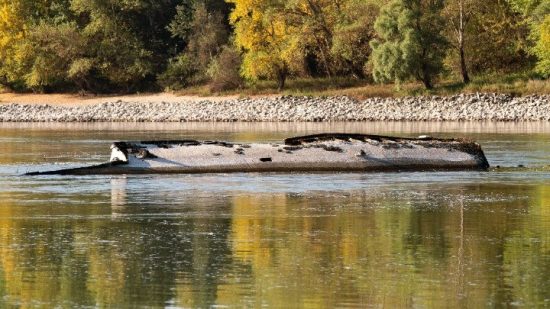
<point>471,107</point>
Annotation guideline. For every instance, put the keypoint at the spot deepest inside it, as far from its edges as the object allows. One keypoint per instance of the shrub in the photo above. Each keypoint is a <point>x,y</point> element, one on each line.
<point>179,74</point>
<point>224,70</point>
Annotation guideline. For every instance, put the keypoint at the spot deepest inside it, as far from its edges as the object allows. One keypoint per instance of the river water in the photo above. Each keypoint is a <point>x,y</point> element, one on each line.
<point>435,239</point>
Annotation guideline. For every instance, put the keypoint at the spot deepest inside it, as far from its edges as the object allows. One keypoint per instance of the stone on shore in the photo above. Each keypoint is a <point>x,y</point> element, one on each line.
<point>463,107</point>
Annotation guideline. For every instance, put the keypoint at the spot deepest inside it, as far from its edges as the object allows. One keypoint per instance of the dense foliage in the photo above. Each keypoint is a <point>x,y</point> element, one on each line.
<point>135,45</point>
<point>411,43</point>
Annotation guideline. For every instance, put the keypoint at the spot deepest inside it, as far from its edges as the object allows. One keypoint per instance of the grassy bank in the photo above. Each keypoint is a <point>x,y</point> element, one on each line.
<point>515,84</point>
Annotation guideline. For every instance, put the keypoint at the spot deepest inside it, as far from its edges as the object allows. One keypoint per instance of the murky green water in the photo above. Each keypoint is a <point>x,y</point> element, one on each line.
<point>460,239</point>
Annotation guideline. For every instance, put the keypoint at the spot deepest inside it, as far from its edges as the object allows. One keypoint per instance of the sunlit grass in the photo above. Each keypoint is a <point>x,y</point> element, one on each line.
<point>516,84</point>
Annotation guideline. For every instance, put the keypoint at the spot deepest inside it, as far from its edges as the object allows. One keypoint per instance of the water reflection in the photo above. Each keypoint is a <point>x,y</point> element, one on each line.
<point>255,128</point>
<point>118,194</point>
<point>469,245</point>
<point>271,240</point>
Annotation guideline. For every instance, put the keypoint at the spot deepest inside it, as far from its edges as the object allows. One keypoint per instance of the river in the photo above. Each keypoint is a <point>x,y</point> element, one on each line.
<point>432,239</point>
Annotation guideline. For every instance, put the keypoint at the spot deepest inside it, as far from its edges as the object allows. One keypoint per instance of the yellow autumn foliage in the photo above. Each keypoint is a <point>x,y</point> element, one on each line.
<point>103,46</point>
<point>12,31</point>
<point>261,29</point>
<point>542,49</point>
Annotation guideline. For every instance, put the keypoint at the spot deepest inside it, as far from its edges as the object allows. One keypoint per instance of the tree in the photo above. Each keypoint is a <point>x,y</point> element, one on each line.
<point>203,32</point>
<point>497,39</point>
<point>332,36</point>
<point>29,42</point>
<point>208,36</point>
<point>542,48</point>
<point>120,55</point>
<point>459,13</point>
<point>50,52</point>
<point>353,33</point>
<point>224,70</point>
<point>11,30</point>
<point>16,18</point>
<point>180,25</point>
<point>179,74</point>
<point>313,21</point>
<point>411,43</point>
<point>270,48</point>
<point>95,45</point>
<point>536,14</point>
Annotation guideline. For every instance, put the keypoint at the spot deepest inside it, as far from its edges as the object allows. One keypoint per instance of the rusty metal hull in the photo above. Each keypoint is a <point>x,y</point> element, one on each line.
<point>313,153</point>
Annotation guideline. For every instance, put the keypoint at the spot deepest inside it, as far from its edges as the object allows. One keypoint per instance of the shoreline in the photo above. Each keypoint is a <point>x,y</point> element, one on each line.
<point>74,100</point>
<point>171,108</point>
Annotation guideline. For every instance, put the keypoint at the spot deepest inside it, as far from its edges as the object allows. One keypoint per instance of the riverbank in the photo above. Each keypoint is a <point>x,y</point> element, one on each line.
<point>159,108</point>
<point>74,100</point>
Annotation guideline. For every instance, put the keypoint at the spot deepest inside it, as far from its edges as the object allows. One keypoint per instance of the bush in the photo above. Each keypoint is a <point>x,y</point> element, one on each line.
<point>47,53</point>
<point>224,70</point>
<point>179,74</point>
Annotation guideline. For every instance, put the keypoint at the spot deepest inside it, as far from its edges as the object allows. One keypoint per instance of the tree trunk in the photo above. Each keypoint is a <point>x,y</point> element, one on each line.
<point>324,57</point>
<point>426,79</point>
<point>463,68</point>
<point>425,75</point>
<point>281,79</point>
<point>428,84</point>
<point>461,27</point>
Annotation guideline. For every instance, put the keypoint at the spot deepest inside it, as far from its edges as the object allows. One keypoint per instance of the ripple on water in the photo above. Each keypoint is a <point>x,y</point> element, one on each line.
<point>457,239</point>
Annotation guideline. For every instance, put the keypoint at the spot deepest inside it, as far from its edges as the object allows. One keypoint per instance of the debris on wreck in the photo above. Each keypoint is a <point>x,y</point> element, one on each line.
<point>329,152</point>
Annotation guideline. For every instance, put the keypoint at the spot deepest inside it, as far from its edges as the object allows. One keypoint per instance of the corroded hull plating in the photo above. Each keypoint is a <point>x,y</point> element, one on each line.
<point>313,153</point>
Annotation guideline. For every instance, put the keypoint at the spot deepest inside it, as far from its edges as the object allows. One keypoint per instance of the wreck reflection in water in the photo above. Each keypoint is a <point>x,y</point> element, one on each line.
<point>456,239</point>
<point>463,246</point>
